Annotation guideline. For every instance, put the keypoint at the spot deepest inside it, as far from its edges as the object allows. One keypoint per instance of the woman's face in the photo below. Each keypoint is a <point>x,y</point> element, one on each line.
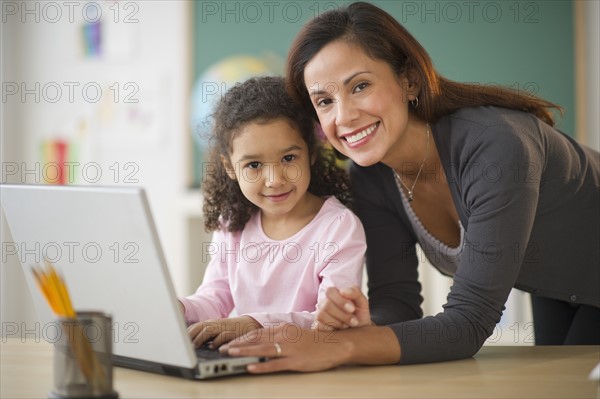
<point>361,103</point>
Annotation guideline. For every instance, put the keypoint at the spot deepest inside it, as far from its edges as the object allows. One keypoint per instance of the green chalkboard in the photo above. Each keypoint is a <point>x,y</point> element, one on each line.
<point>527,45</point>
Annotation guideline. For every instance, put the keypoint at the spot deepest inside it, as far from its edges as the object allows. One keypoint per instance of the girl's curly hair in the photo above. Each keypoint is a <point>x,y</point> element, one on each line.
<point>259,100</point>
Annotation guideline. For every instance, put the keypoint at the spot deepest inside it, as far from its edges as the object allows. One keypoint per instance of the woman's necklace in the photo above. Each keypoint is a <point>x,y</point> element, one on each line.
<point>412,188</point>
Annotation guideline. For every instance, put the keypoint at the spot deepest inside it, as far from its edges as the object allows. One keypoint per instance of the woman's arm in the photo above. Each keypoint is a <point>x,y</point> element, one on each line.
<point>315,350</point>
<point>500,208</point>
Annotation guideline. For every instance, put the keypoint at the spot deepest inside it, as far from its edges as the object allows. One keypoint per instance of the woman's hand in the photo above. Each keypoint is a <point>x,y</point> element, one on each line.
<point>220,331</point>
<point>290,348</point>
<point>343,308</point>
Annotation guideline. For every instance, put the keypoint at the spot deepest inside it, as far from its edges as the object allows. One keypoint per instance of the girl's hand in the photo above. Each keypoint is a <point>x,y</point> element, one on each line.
<point>343,308</point>
<point>220,331</point>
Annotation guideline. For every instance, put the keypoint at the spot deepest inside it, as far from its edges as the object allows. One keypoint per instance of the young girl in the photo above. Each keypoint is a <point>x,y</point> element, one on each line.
<point>281,237</point>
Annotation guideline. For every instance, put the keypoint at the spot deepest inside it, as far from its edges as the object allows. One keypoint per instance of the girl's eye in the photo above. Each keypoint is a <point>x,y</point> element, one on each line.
<point>253,165</point>
<point>360,87</point>
<point>289,158</point>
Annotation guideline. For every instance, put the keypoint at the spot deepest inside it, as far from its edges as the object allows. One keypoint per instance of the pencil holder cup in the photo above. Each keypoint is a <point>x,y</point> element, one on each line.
<point>82,358</point>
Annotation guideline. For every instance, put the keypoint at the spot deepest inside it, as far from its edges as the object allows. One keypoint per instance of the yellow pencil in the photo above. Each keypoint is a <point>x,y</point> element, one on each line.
<point>55,291</point>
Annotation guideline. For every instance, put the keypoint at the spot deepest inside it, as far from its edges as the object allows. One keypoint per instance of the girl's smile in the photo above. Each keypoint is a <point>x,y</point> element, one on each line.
<point>278,197</point>
<point>271,164</point>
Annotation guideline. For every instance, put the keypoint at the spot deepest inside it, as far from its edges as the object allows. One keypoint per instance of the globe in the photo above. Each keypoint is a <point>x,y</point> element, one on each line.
<point>216,80</point>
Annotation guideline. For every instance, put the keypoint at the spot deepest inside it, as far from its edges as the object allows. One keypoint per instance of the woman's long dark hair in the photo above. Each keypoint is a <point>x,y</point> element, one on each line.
<point>383,38</point>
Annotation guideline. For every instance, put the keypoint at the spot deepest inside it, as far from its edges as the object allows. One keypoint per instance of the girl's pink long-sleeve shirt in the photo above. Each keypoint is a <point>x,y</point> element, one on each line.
<point>283,281</point>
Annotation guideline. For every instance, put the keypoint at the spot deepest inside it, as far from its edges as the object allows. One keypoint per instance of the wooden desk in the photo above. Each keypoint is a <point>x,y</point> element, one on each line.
<point>495,372</point>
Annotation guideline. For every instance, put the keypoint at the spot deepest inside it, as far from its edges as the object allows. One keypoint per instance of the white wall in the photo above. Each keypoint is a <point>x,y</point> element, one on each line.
<point>147,47</point>
<point>587,66</point>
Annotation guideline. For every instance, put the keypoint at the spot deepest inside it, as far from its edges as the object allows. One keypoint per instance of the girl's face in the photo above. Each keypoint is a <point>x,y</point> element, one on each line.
<point>361,103</point>
<point>271,163</point>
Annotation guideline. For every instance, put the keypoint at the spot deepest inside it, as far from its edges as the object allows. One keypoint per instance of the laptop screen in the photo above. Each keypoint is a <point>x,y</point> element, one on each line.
<point>104,242</point>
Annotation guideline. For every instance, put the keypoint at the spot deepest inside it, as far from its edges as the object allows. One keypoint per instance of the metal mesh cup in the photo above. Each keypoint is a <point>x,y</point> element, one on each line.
<point>82,357</point>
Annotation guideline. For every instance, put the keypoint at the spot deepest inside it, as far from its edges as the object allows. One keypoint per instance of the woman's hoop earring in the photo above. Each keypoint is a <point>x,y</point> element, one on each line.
<point>415,102</point>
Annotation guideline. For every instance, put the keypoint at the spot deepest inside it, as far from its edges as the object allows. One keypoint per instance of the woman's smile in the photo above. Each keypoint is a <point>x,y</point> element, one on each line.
<point>360,137</point>
<point>362,106</point>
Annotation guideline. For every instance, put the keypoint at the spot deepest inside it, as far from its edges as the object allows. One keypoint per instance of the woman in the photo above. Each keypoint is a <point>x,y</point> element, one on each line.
<point>477,176</point>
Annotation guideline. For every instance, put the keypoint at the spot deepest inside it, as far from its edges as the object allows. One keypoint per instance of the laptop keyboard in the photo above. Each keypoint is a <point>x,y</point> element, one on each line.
<point>204,352</point>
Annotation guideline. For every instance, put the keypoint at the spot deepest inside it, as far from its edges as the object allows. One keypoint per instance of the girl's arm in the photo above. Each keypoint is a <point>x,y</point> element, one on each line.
<point>213,298</point>
<point>394,289</point>
<point>343,308</point>
<point>219,331</point>
<point>338,262</point>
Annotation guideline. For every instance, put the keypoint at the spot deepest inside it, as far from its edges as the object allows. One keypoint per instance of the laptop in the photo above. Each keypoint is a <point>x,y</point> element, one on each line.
<point>104,242</point>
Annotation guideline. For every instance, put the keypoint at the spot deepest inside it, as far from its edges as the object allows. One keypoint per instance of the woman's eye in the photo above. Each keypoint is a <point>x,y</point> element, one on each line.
<point>253,165</point>
<point>323,102</point>
<point>289,158</point>
<point>360,87</point>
